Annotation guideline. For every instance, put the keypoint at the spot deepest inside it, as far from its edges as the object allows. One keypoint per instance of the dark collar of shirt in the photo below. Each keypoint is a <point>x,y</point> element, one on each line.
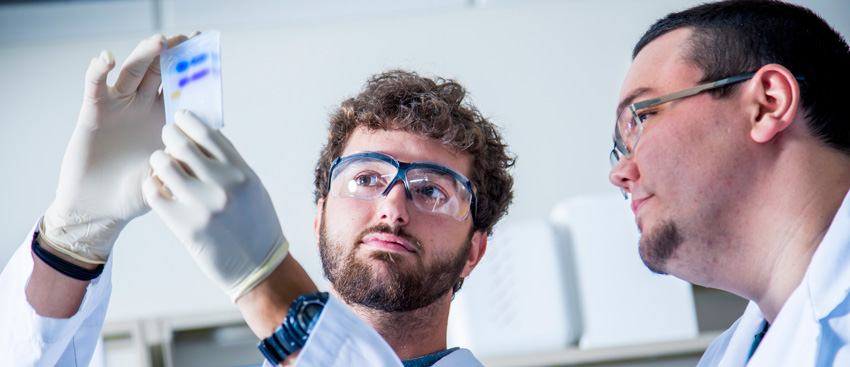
<point>429,360</point>
<point>424,361</point>
<point>757,339</point>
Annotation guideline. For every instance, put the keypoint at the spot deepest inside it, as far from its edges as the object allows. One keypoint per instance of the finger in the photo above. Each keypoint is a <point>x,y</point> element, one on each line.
<point>209,139</point>
<point>137,64</point>
<point>96,87</point>
<point>172,174</point>
<point>156,195</point>
<point>195,33</point>
<point>153,77</point>
<point>194,158</point>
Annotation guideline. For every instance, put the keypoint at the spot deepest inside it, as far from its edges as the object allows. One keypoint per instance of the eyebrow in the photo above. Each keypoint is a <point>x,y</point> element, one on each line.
<point>630,99</point>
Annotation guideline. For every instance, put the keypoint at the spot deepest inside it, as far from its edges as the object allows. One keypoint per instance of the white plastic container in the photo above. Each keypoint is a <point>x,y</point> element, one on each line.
<point>621,302</point>
<point>518,299</point>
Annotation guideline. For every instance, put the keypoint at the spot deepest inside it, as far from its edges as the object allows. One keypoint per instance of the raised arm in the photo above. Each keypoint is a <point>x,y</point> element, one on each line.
<point>53,293</point>
<point>105,163</point>
<point>218,208</point>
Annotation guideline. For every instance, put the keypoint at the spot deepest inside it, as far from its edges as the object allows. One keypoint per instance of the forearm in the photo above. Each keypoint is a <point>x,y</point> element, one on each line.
<point>51,293</point>
<point>264,307</point>
<point>45,334</point>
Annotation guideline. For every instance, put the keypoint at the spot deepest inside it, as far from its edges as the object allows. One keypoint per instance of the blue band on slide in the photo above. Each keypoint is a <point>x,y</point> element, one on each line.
<point>62,266</point>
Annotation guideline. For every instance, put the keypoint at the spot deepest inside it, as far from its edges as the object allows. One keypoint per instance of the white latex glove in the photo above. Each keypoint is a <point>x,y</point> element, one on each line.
<point>106,161</point>
<point>216,205</point>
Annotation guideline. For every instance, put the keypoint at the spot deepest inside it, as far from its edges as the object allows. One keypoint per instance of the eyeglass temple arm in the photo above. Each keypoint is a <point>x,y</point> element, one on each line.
<point>691,91</point>
<point>695,90</point>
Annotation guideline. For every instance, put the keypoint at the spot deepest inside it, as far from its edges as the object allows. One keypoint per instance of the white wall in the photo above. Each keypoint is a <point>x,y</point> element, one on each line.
<point>548,72</point>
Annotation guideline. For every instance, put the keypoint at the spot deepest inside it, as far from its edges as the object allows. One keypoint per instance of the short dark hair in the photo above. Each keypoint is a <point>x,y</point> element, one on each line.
<point>739,36</point>
<point>436,110</point>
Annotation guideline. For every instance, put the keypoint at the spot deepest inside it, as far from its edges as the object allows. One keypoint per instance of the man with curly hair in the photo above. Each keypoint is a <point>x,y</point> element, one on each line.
<point>408,188</point>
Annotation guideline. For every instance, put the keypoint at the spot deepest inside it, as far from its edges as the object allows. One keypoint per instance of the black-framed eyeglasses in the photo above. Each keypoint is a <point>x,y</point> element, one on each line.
<point>629,124</point>
<point>432,187</point>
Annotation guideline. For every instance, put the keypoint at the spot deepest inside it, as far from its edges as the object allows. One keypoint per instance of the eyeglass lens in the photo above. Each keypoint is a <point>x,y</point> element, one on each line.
<point>627,131</point>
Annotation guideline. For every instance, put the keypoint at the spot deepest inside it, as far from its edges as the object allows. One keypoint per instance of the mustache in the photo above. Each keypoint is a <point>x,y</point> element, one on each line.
<point>394,230</point>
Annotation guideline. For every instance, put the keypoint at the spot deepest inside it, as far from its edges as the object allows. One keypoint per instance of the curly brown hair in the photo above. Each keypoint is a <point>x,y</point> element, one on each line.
<point>403,100</point>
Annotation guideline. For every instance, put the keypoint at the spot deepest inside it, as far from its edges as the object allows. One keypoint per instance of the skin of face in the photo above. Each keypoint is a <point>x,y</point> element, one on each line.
<point>689,167</point>
<point>368,233</point>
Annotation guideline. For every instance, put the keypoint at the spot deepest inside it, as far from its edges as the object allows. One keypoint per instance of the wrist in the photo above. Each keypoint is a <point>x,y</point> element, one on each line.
<point>276,255</point>
<point>62,255</point>
<point>292,334</point>
<point>265,306</point>
<point>62,265</point>
<point>88,241</point>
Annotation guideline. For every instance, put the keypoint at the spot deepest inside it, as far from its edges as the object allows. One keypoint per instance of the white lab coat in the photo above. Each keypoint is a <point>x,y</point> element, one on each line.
<point>27,339</point>
<point>340,337</point>
<point>813,326</point>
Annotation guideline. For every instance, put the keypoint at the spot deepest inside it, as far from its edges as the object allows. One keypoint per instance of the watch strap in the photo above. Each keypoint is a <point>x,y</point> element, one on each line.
<point>292,334</point>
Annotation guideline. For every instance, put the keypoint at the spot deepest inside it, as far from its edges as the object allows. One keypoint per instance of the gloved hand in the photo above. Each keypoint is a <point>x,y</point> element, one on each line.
<point>216,205</point>
<point>106,161</point>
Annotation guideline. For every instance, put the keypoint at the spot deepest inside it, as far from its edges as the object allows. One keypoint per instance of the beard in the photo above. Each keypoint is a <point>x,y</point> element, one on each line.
<point>657,246</point>
<point>406,286</point>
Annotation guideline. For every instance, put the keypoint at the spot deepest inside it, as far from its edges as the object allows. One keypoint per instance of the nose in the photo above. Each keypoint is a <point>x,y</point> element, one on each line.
<point>624,174</point>
<point>393,207</point>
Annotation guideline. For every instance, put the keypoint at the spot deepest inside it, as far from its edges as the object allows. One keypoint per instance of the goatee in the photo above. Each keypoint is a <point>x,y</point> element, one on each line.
<point>657,246</point>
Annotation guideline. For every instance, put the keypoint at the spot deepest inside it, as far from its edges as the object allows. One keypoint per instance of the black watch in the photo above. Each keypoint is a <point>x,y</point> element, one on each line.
<point>292,334</point>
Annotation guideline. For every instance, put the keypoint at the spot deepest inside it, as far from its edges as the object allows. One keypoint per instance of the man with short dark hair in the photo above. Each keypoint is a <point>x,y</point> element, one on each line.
<point>733,141</point>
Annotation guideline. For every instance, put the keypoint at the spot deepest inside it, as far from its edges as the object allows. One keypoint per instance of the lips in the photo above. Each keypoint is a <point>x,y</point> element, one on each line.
<point>638,203</point>
<point>388,241</point>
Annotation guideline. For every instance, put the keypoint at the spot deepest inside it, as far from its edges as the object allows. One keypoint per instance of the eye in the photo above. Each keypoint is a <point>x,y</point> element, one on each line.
<point>432,193</point>
<point>366,179</point>
<point>643,115</point>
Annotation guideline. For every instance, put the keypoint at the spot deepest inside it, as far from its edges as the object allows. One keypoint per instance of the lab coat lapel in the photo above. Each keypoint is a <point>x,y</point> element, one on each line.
<point>792,337</point>
<point>741,340</point>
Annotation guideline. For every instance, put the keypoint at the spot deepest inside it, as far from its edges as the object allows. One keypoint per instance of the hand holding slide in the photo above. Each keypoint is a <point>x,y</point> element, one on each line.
<point>216,205</point>
<point>105,163</point>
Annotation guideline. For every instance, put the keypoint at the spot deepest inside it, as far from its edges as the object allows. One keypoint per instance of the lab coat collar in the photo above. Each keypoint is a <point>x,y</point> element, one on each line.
<point>823,288</point>
<point>459,358</point>
<point>828,277</point>
<point>742,334</point>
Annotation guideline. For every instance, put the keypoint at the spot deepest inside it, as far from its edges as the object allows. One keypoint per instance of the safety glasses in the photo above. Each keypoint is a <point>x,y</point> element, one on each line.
<point>432,187</point>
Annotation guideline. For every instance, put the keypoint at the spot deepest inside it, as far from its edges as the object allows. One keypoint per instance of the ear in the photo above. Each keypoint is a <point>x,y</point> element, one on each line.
<point>317,222</point>
<point>476,250</point>
<point>775,96</point>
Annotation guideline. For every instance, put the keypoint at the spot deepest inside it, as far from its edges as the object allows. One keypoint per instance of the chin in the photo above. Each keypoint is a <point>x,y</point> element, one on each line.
<point>658,246</point>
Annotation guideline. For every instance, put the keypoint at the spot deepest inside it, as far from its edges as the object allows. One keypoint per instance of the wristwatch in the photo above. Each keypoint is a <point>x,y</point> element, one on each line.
<point>291,336</point>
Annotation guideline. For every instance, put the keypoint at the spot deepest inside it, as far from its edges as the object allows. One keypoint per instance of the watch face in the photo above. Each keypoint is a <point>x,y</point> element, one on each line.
<point>308,314</point>
<point>292,334</point>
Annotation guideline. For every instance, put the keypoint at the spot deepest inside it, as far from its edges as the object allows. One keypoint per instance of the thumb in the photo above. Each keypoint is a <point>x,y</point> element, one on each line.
<point>96,87</point>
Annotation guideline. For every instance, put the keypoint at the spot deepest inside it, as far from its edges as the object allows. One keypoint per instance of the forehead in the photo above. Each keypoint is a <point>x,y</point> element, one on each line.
<point>406,147</point>
<point>660,68</point>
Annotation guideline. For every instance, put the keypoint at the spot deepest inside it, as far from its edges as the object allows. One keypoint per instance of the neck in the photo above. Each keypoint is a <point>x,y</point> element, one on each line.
<point>411,334</point>
<point>781,224</point>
